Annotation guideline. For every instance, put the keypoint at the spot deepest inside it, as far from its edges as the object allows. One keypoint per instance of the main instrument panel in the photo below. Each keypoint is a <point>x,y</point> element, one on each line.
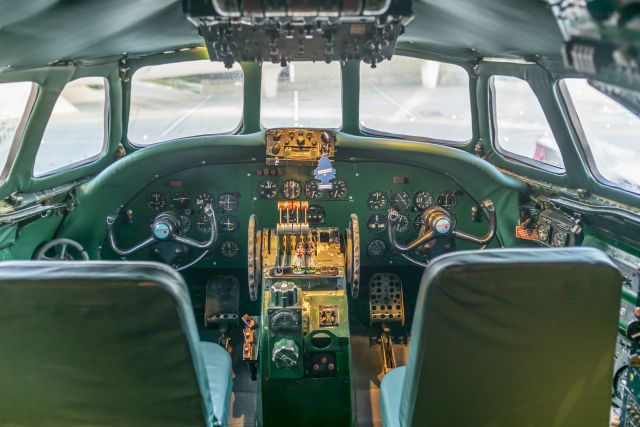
<point>289,172</point>
<point>238,190</point>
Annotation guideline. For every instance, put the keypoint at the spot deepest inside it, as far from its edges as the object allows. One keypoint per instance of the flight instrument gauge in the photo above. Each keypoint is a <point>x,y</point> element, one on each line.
<point>417,222</point>
<point>203,225</point>
<point>156,201</point>
<point>180,201</point>
<point>401,223</point>
<point>377,200</point>
<point>543,230</point>
<point>339,190</point>
<point>202,200</point>
<point>229,249</point>
<point>447,199</point>
<point>228,223</point>
<point>559,238</point>
<point>312,191</point>
<point>377,223</point>
<point>315,214</point>
<point>401,200</point>
<point>376,248</point>
<point>268,189</point>
<point>423,200</point>
<point>228,202</point>
<point>185,223</point>
<point>291,189</point>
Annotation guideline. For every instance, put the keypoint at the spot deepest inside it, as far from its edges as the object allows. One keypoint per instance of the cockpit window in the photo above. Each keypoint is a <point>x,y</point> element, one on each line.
<point>14,98</point>
<point>610,131</point>
<point>416,98</point>
<point>76,131</point>
<point>301,94</point>
<point>521,129</point>
<point>178,100</point>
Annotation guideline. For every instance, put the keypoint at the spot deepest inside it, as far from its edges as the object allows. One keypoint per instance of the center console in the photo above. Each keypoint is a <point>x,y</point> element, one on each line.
<point>303,354</point>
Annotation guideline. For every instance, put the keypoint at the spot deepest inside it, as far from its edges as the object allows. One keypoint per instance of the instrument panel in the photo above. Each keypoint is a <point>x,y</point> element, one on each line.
<point>239,190</point>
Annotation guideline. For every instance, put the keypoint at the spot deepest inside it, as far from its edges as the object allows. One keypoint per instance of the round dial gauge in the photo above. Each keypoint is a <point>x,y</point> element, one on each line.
<point>559,238</point>
<point>447,199</point>
<point>315,214</point>
<point>543,230</point>
<point>204,199</point>
<point>156,201</point>
<point>423,200</point>
<point>229,249</point>
<point>377,223</point>
<point>377,200</point>
<point>185,223</point>
<point>339,190</point>
<point>312,191</point>
<point>228,202</point>
<point>401,223</point>
<point>180,201</point>
<point>376,248</point>
<point>228,223</point>
<point>268,189</point>
<point>291,189</point>
<point>202,225</point>
<point>417,222</point>
<point>401,200</point>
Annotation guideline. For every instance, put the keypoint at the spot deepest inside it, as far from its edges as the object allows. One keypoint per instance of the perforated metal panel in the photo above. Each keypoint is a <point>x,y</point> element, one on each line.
<point>386,302</point>
<point>222,300</point>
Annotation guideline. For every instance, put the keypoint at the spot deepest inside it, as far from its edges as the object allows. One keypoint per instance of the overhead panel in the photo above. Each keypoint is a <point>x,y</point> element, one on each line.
<point>284,31</point>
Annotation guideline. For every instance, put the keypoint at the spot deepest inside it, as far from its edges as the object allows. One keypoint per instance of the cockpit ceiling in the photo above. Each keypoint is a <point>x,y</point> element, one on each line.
<point>38,33</point>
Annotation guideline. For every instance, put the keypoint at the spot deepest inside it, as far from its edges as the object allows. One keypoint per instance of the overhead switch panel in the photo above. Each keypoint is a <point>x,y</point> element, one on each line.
<point>284,31</point>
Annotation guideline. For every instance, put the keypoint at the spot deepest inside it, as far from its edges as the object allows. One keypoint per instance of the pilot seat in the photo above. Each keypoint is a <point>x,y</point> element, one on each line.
<point>105,344</point>
<point>509,337</point>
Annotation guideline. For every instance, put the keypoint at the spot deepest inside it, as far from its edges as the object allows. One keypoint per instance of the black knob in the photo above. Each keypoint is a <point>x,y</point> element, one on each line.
<point>325,137</point>
<point>633,329</point>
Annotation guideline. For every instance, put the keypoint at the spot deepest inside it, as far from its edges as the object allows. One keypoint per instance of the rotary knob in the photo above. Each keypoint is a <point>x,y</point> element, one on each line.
<point>284,294</point>
<point>285,354</point>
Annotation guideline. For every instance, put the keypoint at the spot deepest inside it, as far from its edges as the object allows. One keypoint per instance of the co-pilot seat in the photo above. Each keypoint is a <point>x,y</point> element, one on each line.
<point>509,338</point>
<point>105,344</point>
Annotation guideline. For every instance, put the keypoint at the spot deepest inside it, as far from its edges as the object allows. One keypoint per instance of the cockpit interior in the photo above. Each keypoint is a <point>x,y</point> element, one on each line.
<point>383,213</point>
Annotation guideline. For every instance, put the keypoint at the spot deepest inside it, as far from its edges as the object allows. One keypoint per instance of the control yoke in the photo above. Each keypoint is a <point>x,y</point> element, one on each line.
<point>166,228</point>
<point>438,222</point>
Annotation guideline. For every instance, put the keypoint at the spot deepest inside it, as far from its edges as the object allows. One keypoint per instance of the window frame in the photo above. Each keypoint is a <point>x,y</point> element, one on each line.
<point>575,124</point>
<point>186,55</point>
<point>493,123</point>
<point>105,135</point>
<point>20,130</point>
<point>448,142</point>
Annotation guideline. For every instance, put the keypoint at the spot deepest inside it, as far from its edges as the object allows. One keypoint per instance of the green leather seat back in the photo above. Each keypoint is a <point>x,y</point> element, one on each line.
<point>513,338</point>
<point>99,344</point>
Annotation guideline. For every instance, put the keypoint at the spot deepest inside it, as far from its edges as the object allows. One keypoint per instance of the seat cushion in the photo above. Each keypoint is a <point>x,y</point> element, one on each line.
<point>390,396</point>
<point>217,363</point>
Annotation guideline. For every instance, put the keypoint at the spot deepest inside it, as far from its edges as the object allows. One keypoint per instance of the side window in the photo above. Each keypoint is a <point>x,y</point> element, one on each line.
<point>520,126</point>
<point>416,97</point>
<point>182,99</point>
<point>610,131</point>
<point>14,100</point>
<point>76,131</point>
